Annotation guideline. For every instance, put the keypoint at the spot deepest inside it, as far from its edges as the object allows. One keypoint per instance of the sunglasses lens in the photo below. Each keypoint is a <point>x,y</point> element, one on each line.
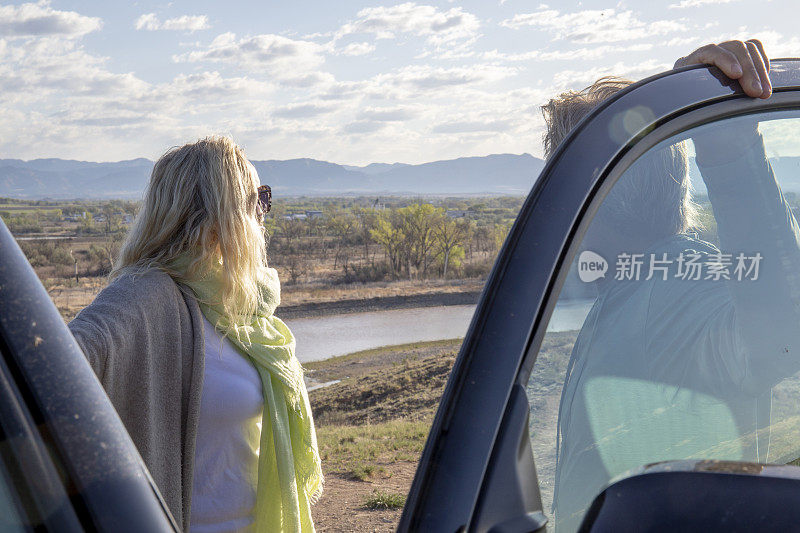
<point>265,198</point>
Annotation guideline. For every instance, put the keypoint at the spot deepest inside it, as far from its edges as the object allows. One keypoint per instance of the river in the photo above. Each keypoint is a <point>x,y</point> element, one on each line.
<point>328,336</point>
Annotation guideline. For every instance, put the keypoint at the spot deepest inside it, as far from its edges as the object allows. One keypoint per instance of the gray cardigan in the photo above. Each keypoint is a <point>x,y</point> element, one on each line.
<point>143,336</point>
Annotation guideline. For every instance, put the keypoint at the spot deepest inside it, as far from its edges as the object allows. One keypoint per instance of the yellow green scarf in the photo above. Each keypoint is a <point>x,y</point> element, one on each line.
<point>289,468</point>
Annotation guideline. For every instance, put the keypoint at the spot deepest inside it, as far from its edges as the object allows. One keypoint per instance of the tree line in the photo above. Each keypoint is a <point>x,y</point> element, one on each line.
<point>416,241</point>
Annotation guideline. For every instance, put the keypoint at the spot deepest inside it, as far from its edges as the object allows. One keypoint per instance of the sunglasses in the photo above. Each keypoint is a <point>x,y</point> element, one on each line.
<point>264,199</point>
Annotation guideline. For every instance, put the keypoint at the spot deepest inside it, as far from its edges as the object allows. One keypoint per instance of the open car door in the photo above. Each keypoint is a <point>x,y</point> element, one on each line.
<point>644,310</point>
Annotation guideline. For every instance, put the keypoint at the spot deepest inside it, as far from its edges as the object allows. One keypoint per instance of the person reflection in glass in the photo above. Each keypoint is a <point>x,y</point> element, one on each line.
<point>674,365</point>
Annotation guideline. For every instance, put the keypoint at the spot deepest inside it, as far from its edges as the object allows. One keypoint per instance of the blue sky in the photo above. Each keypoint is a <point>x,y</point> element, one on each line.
<point>344,81</point>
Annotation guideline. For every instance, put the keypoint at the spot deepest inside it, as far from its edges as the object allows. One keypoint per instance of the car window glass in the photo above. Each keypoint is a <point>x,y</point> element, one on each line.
<point>675,333</point>
<point>10,517</point>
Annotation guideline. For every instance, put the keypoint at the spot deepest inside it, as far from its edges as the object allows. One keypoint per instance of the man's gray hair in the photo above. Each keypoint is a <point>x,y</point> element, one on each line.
<point>654,195</point>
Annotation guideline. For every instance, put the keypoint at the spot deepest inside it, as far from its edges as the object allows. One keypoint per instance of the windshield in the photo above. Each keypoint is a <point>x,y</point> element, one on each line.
<point>675,334</point>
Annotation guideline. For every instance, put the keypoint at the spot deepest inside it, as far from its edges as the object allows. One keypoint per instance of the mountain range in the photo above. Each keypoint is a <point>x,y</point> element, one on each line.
<point>492,174</point>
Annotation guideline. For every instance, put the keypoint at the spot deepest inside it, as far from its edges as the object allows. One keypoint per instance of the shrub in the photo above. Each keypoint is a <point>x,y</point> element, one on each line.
<point>374,272</point>
<point>385,500</point>
<point>478,269</point>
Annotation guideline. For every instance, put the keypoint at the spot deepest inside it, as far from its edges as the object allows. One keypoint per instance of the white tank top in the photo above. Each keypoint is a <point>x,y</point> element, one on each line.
<point>226,450</point>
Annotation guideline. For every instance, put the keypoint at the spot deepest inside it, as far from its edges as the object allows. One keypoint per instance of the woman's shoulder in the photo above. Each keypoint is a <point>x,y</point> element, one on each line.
<point>147,292</point>
<point>149,284</point>
<point>125,313</point>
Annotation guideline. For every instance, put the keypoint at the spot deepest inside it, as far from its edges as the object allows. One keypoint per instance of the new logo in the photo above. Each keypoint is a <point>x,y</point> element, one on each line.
<point>591,266</point>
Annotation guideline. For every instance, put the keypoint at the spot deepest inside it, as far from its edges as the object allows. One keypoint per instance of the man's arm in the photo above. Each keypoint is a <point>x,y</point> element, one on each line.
<point>752,218</point>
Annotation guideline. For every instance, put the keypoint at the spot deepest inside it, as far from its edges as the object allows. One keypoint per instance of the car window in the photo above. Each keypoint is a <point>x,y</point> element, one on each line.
<point>675,332</point>
<point>11,517</point>
<point>31,491</point>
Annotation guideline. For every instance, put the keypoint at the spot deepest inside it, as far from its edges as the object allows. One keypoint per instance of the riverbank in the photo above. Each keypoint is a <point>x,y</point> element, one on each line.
<point>371,427</point>
<point>380,303</point>
<point>314,300</point>
<point>310,300</point>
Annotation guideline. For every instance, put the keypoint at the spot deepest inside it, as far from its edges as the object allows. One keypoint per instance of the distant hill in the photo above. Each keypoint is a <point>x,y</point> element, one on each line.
<point>492,174</point>
<point>59,178</point>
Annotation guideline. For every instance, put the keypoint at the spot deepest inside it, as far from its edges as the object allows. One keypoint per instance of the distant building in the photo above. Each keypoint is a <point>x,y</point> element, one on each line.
<point>313,214</point>
<point>295,216</point>
<point>75,217</point>
<point>457,214</point>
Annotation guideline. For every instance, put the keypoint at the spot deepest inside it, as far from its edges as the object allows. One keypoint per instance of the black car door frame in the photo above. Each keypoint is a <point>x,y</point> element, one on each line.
<point>81,435</point>
<point>476,471</point>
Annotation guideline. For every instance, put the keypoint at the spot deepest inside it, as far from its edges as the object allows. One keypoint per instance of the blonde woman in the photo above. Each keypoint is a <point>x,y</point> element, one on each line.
<point>185,343</point>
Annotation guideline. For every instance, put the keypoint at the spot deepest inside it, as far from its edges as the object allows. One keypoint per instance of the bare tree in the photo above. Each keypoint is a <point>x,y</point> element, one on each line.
<point>418,224</point>
<point>450,235</point>
<point>388,233</point>
<point>341,224</point>
<point>367,218</point>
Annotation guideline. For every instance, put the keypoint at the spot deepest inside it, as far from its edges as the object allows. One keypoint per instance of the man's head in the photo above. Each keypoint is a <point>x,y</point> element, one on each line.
<point>652,199</point>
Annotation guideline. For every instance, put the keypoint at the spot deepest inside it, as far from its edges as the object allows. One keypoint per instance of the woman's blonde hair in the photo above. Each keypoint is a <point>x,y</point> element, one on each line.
<point>200,204</point>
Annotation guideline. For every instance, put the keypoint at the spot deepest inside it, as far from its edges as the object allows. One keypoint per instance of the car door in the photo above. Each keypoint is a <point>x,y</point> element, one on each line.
<point>66,461</point>
<point>554,395</point>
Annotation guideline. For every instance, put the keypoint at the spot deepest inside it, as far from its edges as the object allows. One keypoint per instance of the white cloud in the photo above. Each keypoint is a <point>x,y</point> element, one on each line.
<point>190,23</point>
<point>472,126</point>
<point>342,90</point>
<point>57,99</point>
<point>594,26</point>
<point>594,52</point>
<point>427,78</point>
<point>291,61</point>
<point>437,26</point>
<point>574,79</point>
<point>357,49</point>
<point>301,110</point>
<point>37,68</point>
<point>207,87</point>
<point>775,44</point>
<point>311,78</point>
<point>695,3</point>
<point>681,41</point>
<point>434,94</point>
<point>40,19</point>
<point>384,114</point>
<point>363,126</point>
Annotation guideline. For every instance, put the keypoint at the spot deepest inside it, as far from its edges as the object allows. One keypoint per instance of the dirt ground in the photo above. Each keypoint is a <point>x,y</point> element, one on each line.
<point>341,506</point>
<point>372,426</point>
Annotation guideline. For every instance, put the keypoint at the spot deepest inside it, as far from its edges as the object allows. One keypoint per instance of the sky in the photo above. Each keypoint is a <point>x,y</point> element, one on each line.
<point>352,82</point>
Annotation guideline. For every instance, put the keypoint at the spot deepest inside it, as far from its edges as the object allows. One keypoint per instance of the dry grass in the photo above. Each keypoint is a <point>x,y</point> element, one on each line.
<point>408,390</point>
<point>363,452</point>
<point>385,358</point>
<point>385,500</point>
<point>70,297</point>
<point>372,427</point>
<point>381,413</point>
